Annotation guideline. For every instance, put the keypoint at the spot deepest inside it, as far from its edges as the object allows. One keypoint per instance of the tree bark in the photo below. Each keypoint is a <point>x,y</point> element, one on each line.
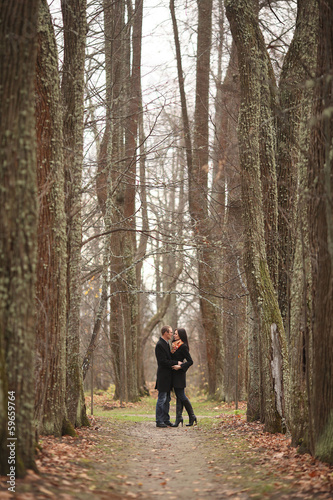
<point>294,290</point>
<point>197,167</point>
<point>321,240</point>
<point>256,157</point>
<point>116,188</point>
<point>50,410</point>
<point>18,230</point>
<point>75,26</point>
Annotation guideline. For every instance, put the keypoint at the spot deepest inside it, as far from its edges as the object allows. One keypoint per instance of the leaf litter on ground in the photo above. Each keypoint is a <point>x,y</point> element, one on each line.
<point>64,463</point>
<point>278,456</point>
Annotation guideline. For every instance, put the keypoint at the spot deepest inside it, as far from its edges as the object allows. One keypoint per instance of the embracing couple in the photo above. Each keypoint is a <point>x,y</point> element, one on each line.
<point>172,365</point>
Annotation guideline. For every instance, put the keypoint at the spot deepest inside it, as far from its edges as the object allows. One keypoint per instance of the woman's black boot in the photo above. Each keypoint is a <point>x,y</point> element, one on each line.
<point>179,411</point>
<point>192,417</point>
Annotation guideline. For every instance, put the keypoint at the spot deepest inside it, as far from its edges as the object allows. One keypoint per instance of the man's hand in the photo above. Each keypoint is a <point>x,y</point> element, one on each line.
<point>176,367</point>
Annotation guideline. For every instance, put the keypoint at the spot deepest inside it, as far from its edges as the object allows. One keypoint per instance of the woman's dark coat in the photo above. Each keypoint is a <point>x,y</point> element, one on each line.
<point>164,362</point>
<point>179,376</point>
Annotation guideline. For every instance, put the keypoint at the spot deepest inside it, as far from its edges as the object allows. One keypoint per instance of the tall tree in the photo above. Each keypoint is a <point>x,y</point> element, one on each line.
<point>198,204</point>
<point>197,165</point>
<point>50,409</point>
<point>227,213</point>
<point>257,143</point>
<point>75,27</point>
<point>321,240</point>
<point>116,185</point>
<point>18,233</point>
<point>131,145</point>
<point>294,274</point>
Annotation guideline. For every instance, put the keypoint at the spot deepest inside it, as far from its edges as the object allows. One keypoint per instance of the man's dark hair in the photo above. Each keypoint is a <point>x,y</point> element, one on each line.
<point>165,329</point>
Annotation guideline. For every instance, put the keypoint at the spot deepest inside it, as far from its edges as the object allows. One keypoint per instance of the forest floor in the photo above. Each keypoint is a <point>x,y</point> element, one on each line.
<point>123,455</point>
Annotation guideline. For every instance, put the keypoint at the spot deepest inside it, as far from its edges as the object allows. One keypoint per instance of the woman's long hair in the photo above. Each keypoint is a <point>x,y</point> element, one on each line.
<point>183,336</point>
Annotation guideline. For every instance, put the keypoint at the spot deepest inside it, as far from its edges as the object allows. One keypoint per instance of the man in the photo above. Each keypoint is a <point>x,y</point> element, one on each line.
<point>164,377</point>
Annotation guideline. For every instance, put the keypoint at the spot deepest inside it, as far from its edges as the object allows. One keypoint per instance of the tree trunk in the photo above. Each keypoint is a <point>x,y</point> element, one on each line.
<point>228,210</point>
<point>116,189</point>
<point>257,160</point>
<point>18,231</point>
<point>294,263</point>
<point>197,166</point>
<point>198,203</point>
<point>253,397</point>
<point>131,135</point>
<point>321,239</point>
<point>141,251</point>
<point>75,26</point>
<point>50,409</point>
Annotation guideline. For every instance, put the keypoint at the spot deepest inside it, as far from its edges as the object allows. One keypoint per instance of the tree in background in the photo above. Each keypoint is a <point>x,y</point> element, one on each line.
<point>116,186</point>
<point>197,151</point>
<point>72,87</point>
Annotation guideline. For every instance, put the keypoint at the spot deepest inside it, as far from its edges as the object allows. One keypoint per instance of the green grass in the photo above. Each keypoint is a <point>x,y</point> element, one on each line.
<point>144,410</point>
<point>120,415</point>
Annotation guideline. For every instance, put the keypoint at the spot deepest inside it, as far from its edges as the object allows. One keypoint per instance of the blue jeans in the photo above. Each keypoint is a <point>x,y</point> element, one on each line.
<point>162,407</point>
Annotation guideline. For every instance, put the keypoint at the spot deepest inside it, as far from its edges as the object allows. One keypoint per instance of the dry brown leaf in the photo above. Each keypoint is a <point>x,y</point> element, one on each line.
<point>45,491</point>
<point>4,495</point>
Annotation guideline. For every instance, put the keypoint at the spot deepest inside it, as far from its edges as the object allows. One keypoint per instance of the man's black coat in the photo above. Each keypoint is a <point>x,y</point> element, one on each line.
<point>164,364</point>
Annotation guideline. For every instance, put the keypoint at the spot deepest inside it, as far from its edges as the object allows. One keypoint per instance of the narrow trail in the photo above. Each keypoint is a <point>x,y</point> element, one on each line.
<point>196,463</point>
<point>218,459</point>
<point>169,462</point>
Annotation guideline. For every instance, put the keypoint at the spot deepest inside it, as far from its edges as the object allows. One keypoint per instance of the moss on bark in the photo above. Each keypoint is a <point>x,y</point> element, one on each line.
<point>18,226</point>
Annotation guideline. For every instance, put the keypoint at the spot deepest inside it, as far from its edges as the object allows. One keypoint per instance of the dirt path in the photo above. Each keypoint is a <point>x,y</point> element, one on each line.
<point>118,460</point>
<point>168,462</point>
<point>193,463</point>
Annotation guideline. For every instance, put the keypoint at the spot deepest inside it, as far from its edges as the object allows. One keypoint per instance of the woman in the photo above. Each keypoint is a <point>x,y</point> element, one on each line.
<point>180,352</point>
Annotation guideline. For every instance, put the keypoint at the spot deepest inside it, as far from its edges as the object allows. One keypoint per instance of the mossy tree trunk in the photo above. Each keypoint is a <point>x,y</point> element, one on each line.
<point>321,240</point>
<point>75,27</point>
<point>294,284</point>
<point>257,144</point>
<point>50,409</point>
<point>253,398</point>
<point>18,227</point>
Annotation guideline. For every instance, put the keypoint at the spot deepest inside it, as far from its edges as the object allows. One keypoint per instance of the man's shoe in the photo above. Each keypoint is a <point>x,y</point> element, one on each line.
<point>168,424</point>
<point>161,425</point>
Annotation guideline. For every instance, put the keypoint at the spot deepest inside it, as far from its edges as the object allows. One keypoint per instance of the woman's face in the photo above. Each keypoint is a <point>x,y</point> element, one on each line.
<point>175,335</point>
